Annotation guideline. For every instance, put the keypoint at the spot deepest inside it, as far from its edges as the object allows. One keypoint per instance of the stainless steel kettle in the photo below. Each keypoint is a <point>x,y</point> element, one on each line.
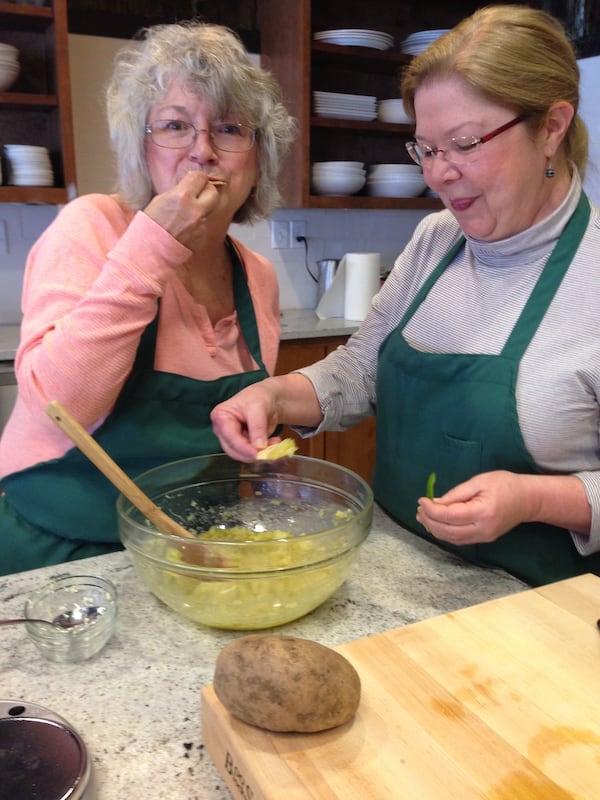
<point>327,269</point>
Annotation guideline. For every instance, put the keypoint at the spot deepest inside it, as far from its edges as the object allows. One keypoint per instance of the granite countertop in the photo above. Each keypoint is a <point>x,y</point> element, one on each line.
<point>303,323</point>
<point>137,704</point>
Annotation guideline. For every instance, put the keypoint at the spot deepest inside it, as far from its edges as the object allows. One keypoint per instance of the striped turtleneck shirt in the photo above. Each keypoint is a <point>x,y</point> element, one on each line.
<point>472,309</point>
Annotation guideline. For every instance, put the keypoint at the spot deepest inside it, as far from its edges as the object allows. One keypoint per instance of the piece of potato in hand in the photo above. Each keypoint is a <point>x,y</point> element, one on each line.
<point>286,447</point>
<point>286,684</point>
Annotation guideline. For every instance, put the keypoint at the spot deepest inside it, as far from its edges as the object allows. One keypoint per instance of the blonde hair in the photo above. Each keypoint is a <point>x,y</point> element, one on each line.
<point>517,57</point>
<point>212,61</point>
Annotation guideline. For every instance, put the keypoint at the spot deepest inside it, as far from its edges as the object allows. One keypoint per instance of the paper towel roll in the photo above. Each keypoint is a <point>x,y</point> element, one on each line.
<point>361,283</point>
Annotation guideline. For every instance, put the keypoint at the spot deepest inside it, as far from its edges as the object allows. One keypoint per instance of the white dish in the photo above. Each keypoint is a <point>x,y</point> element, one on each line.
<point>395,188</point>
<point>324,106</point>
<point>359,164</point>
<point>25,148</point>
<point>335,173</point>
<point>357,115</point>
<point>356,37</point>
<point>393,111</point>
<point>366,98</point>
<point>394,169</point>
<point>355,33</point>
<point>8,76</point>
<point>9,49</point>
<point>418,36</point>
<point>351,41</point>
<point>337,185</point>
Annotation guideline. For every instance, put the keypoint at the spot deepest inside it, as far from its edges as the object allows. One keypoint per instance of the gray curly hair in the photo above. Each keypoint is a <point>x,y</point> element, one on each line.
<point>212,61</point>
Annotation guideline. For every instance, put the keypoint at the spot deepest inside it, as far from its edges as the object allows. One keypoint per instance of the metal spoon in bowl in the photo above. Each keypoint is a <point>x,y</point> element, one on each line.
<point>67,619</point>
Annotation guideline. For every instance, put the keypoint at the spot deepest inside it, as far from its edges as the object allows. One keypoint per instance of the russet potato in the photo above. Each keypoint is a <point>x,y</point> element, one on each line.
<point>286,684</point>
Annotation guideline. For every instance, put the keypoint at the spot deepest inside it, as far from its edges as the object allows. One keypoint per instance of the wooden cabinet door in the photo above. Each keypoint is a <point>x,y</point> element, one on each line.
<point>355,448</point>
<point>294,354</point>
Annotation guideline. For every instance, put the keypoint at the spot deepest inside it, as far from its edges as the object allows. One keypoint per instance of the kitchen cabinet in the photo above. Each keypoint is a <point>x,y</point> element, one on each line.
<point>36,110</point>
<point>354,448</point>
<point>303,65</point>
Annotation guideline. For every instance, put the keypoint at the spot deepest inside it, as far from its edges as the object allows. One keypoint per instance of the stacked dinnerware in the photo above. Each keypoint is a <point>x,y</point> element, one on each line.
<point>419,41</point>
<point>28,165</point>
<point>338,177</point>
<point>337,105</point>
<point>395,180</point>
<point>356,37</point>
<point>393,111</point>
<point>9,66</point>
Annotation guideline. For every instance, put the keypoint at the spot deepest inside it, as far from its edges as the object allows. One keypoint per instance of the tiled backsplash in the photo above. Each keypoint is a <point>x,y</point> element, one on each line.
<point>329,234</point>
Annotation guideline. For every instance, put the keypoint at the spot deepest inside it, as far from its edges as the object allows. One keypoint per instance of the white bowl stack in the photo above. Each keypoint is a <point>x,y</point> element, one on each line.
<point>395,180</point>
<point>9,66</point>
<point>338,177</point>
<point>28,165</point>
<point>393,111</point>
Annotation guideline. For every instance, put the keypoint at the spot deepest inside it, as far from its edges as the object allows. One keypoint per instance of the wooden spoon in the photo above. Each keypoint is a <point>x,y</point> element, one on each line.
<point>100,458</point>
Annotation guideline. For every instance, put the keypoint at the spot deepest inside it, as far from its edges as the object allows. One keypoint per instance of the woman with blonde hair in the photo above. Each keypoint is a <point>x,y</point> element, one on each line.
<point>480,355</point>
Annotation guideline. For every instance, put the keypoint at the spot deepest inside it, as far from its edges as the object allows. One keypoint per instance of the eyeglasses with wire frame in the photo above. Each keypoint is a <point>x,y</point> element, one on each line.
<point>458,150</point>
<point>177,134</point>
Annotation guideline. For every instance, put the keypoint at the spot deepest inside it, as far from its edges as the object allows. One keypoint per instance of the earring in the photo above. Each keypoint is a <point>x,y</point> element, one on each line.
<point>549,170</point>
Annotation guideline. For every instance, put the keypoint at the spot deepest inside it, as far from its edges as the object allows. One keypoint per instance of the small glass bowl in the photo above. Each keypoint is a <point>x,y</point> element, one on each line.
<point>75,594</point>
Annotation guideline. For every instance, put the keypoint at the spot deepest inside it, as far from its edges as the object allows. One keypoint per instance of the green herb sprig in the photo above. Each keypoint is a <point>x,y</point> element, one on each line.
<point>430,491</point>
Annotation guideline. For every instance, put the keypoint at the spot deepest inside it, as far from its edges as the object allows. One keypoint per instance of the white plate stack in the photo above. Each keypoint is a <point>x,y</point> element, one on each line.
<point>419,41</point>
<point>9,66</point>
<point>356,37</point>
<point>28,165</point>
<point>336,105</point>
<point>338,177</point>
<point>395,180</point>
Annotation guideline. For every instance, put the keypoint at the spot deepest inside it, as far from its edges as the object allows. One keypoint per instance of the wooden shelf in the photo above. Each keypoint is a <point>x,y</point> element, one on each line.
<point>303,65</point>
<point>365,126</point>
<point>27,17</point>
<point>359,58</point>
<point>37,109</point>
<point>53,195</point>
<point>357,201</point>
<point>22,100</point>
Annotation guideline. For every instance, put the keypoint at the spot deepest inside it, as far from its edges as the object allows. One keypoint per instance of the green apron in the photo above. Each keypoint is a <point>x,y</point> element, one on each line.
<point>456,415</point>
<point>65,508</point>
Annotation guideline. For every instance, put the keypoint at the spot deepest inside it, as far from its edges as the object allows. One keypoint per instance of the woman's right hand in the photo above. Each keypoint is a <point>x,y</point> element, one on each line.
<point>183,210</point>
<point>243,423</point>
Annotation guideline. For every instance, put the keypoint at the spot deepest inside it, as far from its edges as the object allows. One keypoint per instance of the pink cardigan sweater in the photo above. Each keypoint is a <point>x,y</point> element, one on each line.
<point>92,284</point>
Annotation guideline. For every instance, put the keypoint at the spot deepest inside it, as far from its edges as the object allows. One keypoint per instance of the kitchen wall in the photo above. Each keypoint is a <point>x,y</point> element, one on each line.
<point>329,234</point>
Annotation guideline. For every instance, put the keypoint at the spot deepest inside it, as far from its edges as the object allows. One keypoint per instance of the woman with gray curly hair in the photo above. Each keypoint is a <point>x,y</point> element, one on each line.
<point>141,312</point>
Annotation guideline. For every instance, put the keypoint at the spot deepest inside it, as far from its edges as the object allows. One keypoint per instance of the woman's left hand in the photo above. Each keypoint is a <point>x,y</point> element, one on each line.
<point>478,510</point>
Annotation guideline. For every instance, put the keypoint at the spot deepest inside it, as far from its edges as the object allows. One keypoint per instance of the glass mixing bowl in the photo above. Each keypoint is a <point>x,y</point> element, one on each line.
<point>274,539</point>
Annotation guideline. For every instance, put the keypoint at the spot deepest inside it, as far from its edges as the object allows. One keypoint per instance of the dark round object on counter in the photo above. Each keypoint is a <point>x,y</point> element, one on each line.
<point>40,760</point>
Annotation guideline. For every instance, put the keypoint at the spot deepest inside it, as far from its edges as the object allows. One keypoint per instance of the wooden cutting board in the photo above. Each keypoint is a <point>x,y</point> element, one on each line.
<point>498,701</point>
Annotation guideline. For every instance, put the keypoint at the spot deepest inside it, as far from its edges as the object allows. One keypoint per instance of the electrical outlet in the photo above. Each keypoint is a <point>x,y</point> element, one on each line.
<point>297,228</point>
<point>280,234</point>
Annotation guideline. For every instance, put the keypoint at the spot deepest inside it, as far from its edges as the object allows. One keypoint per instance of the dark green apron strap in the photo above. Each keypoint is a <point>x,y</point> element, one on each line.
<point>544,290</point>
<point>244,305</point>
